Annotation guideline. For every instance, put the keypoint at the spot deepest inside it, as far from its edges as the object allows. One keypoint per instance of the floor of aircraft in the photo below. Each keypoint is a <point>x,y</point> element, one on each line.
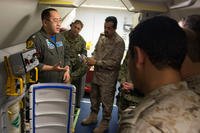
<point>85,110</point>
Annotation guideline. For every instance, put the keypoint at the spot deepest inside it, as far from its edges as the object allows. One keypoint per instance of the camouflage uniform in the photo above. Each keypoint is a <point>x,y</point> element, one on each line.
<point>126,98</point>
<point>50,53</point>
<point>171,108</point>
<point>78,68</point>
<point>194,83</point>
<point>108,54</point>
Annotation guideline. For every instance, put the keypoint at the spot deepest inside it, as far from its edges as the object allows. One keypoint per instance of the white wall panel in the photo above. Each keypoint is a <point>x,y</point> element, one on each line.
<point>94,19</point>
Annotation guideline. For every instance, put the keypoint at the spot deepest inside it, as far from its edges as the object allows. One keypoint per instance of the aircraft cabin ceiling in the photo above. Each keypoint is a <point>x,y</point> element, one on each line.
<point>156,5</point>
<point>64,3</point>
<point>22,18</point>
<point>131,5</point>
<point>111,4</point>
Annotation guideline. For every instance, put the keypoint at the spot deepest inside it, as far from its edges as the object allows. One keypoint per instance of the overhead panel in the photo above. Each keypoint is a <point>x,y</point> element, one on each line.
<point>104,4</point>
<point>146,5</point>
<point>151,6</point>
<point>156,5</point>
<point>182,3</point>
<point>64,3</point>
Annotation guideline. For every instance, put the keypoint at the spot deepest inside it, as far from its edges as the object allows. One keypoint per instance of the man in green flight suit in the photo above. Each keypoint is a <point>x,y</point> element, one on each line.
<point>78,54</point>
<point>52,52</point>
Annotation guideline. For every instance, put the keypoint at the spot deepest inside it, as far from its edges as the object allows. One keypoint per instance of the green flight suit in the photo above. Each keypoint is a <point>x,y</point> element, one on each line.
<point>49,53</point>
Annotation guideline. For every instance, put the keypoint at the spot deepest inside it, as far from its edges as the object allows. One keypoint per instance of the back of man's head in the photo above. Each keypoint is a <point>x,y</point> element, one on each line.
<point>77,22</point>
<point>162,40</point>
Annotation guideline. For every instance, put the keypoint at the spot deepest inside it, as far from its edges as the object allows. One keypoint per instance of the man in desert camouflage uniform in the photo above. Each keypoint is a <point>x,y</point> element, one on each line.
<point>157,50</point>
<point>128,95</point>
<point>78,52</point>
<point>106,60</point>
<point>191,66</point>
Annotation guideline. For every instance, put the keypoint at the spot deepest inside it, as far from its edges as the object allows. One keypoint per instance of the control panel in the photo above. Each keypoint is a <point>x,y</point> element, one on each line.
<point>23,62</point>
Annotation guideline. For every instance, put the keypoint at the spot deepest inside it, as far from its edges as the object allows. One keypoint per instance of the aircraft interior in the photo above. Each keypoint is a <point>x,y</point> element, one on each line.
<point>25,106</point>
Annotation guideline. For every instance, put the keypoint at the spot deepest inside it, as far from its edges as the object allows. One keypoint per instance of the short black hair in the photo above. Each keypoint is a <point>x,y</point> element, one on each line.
<point>112,19</point>
<point>162,40</point>
<point>192,22</point>
<point>46,13</point>
<point>77,22</point>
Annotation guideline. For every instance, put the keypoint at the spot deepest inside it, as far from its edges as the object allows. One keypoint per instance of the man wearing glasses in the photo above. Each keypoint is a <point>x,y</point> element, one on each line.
<point>52,52</point>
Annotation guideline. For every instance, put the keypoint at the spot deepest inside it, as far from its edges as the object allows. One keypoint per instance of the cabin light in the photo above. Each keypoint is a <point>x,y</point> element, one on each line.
<point>63,3</point>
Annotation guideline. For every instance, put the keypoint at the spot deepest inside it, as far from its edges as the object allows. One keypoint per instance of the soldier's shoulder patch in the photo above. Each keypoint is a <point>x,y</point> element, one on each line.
<point>29,44</point>
<point>102,34</point>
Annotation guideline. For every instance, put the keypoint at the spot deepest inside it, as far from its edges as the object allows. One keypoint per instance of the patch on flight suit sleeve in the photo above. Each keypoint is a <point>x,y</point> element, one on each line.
<point>29,44</point>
